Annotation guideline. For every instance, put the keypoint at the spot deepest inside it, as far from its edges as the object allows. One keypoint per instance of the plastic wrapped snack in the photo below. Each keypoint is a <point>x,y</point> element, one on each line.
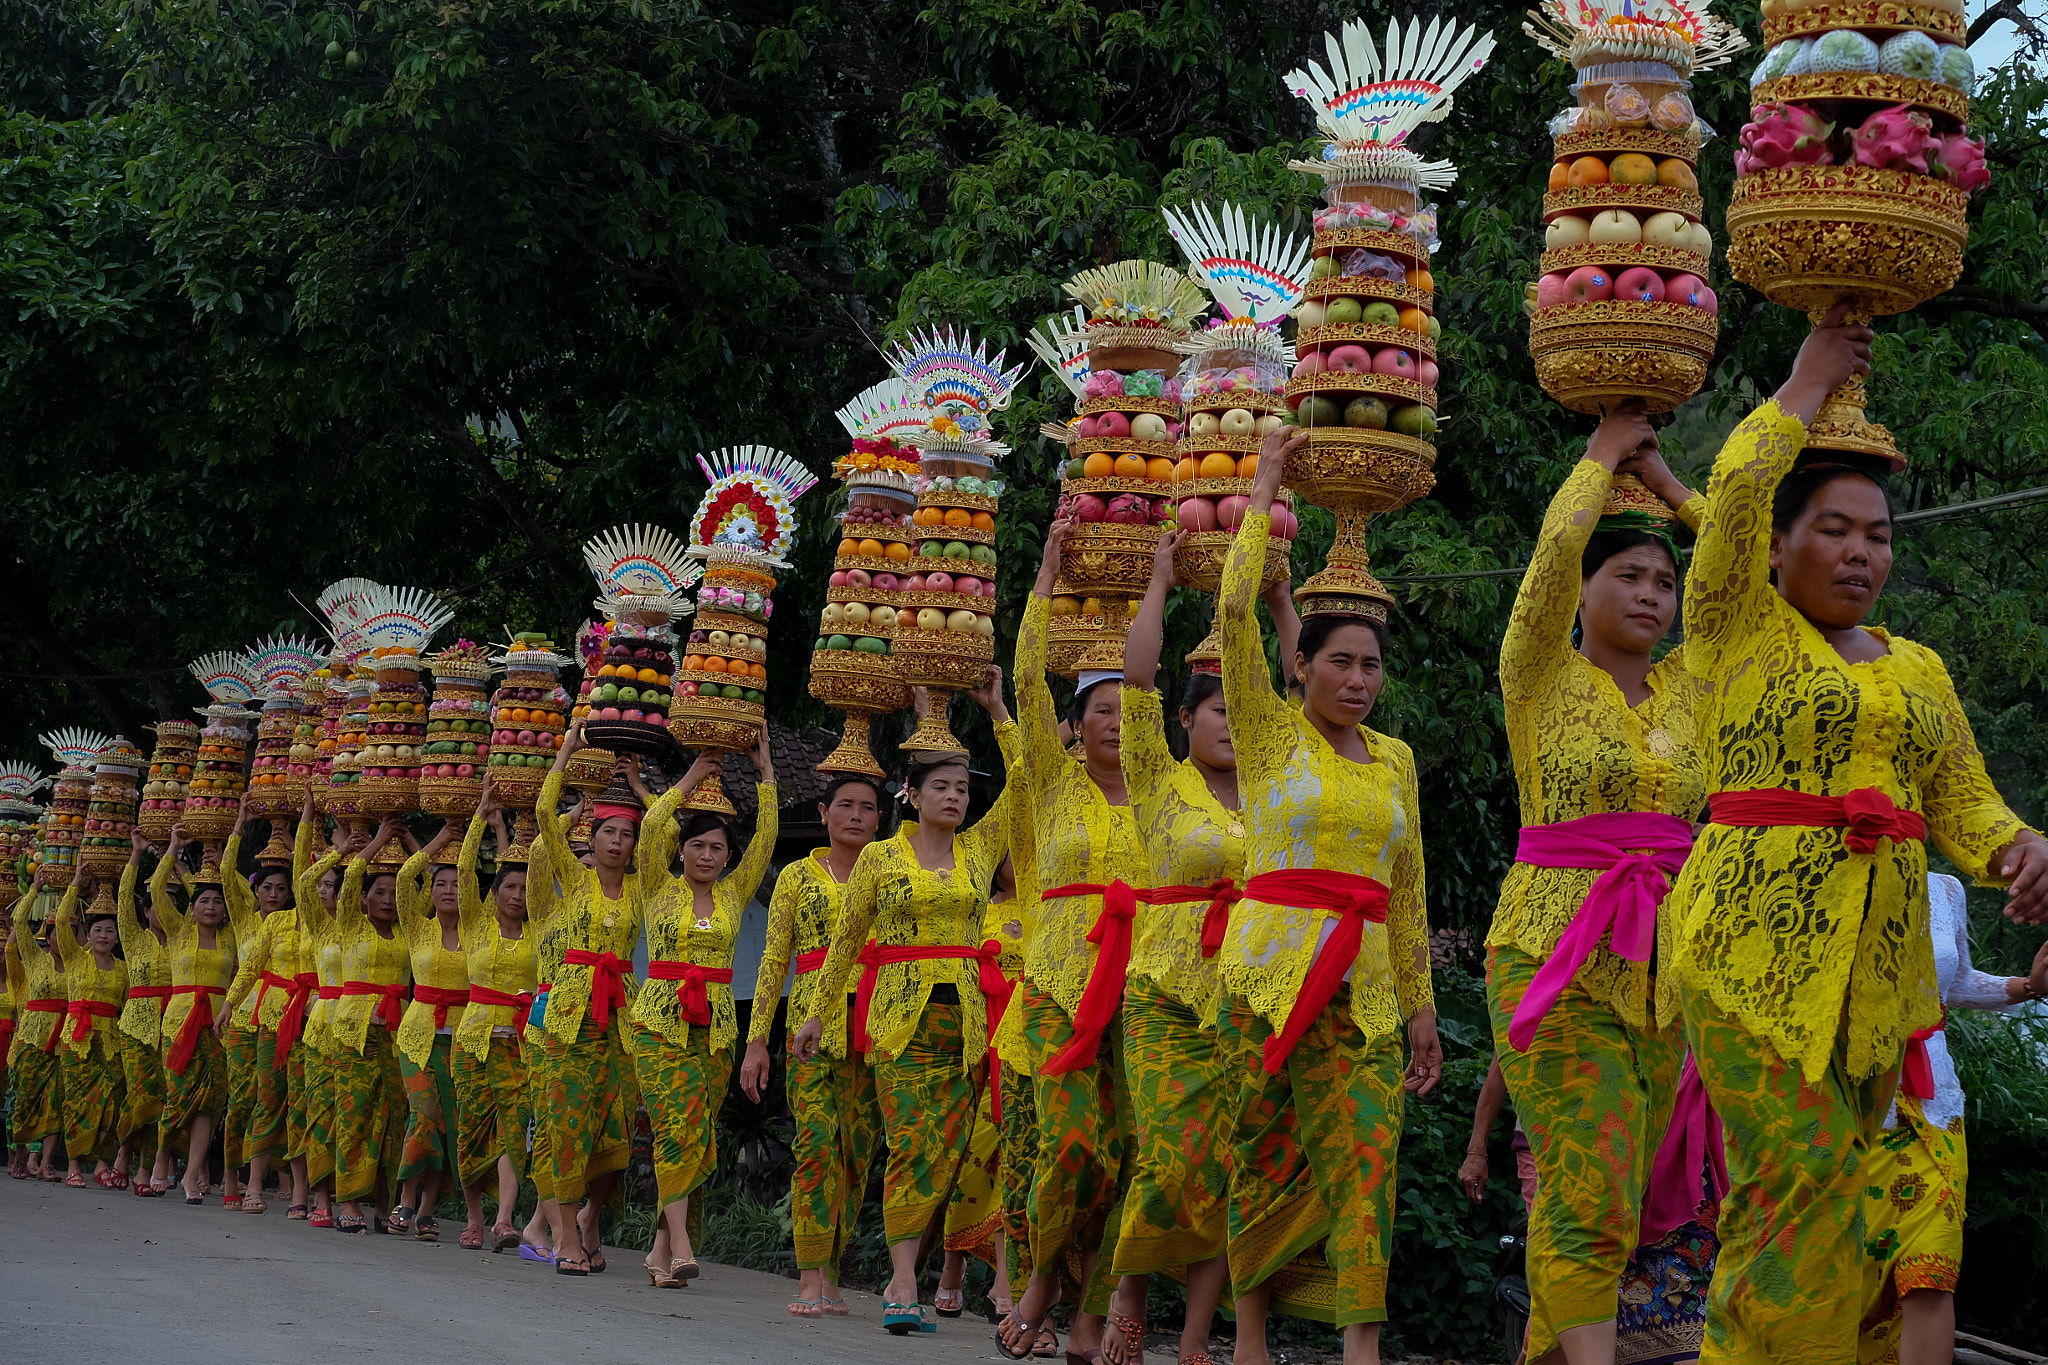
<point>1371,265</point>
<point>1672,112</point>
<point>1626,105</point>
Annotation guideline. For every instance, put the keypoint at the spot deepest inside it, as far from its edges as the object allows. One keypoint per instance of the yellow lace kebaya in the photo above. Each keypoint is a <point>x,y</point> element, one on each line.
<point>193,966</point>
<point>85,980</point>
<point>1020,916</point>
<point>1306,807</point>
<point>1079,836</point>
<point>892,899</point>
<point>543,894</point>
<point>1191,839</point>
<point>142,1018</point>
<point>368,958</point>
<point>441,970</point>
<point>1795,937</point>
<point>676,934</point>
<point>588,920</point>
<point>318,946</point>
<point>1580,749</point>
<point>803,915</point>
<point>499,964</point>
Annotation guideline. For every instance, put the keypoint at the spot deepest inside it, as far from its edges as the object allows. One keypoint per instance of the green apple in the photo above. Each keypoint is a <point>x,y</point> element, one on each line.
<point>1320,410</point>
<point>1436,329</point>
<point>839,642</point>
<point>1412,419</point>
<point>1076,468</point>
<point>1323,267</point>
<point>1380,313</point>
<point>1343,312</point>
<point>1366,412</point>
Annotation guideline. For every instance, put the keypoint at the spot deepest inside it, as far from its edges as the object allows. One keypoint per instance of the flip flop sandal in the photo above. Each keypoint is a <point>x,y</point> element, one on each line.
<point>1047,1346</point>
<point>254,1204</point>
<point>347,1224</point>
<point>295,1212</point>
<point>472,1239</point>
<point>572,1265</point>
<point>399,1219</point>
<point>685,1269</point>
<point>807,1308</point>
<point>959,1302</point>
<point>119,1181</point>
<point>194,1200</point>
<point>1132,1333</point>
<point>1032,1331</point>
<point>105,1180</point>
<point>504,1240</point>
<point>426,1228</point>
<point>529,1252</point>
<point>835,1307</point>
<point>141,1190</point>
<point>231,1201</point>
<point>597,1262</point>
<point>320,1218</point>
<point>75,1181</point>
<point>904,1318</point>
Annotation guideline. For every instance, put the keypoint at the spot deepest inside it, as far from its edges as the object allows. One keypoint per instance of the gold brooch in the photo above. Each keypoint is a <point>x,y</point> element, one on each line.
<point>1662,745</point>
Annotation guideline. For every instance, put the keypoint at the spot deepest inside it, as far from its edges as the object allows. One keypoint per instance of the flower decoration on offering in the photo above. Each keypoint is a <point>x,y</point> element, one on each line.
<point>1369,400</point>
<point>1854,174</point>
<point>945,633</point>
<point>110,818</point>
<point>1623,310</point>
<point>741,531</point>
<point>880,419</point>
<point>18,816</point>
<point>1233,386</point>
<point>383,745</point>
<point>458,726</point>
<point>213,794</point>
<point>851,665</point>
<point>641,574</point>
<point>280,670</point>
<point>518,732</point>
<point>163,788</point>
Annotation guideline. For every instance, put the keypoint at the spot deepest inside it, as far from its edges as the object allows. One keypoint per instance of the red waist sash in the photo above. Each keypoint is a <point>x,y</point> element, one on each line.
<point>487,998</point>
<point>806,963</point>
<point>1221,895</point>
<point>271,981</point>
<point>1357,901</point>
<point>1916,1077</point>
<point>995,991</point>
<point>83,1012</point>
<point>441,998</point>
<point>198,1019</point>
<point>607,981</point>
<point>49,1006</point>
<point>149,992</point>
<point>330,992</point>
<point>693,999</point>
<point>1866,814</point>
<point>389,1009</point>
<point>292,1023</point>
<point>1105,989</point>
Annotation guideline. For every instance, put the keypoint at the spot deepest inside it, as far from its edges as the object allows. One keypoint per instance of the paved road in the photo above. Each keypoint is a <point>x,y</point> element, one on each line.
<point>89,1275</point>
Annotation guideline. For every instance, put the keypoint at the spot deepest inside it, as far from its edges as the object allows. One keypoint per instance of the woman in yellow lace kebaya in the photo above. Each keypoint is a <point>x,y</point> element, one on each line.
<point>1832,753</point>
<point>491,1095</point>
<point>1090,860</point>
<point>265,981</point>
<point>832,1096</point>
<point>238,1039</point>
<point>1183,1082</point>
<point>369,1090</point>
<point>142,1024</point>
<point>684,1019</point>
<point>1608,768</point>
<point>89,1054</point>
<point>591,1091</point>
<point>550,941</point>
<point>307,1023</point>
<point>199,944</point>
<point>440,912</point>
<point>1327,954</point>
<point>913,922</point>
<point>38,1109</point>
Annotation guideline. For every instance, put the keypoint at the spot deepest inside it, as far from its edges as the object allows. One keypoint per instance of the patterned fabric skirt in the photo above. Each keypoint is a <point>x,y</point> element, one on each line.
<point>1183,1089</point>
<point>319,1065</point>
<point>974,1215</point>
<point>683,1088</point>
<point>271,1100</point>
<point>591,1096</point>
<point>297,1113</point>
<point>1913,1192</point>
<point>239,1045</point>
<point>1015,1164</point>
<point>1313,1162</point>
<point>539,1087</point>
<point>1594,1097</point>
<point>491,1111</point>
<point>430,1111</point>
<point>142,1098</point>
<point>1078,1180</point>
<point>927,1099</point>
<point>838,1123</point>
<point>201,1090</point>
<point>1662,1315</point>
<point>92,1099</point>
<point>38,1095</point>
<point>369,1119</point>
<point>1789,1282</point>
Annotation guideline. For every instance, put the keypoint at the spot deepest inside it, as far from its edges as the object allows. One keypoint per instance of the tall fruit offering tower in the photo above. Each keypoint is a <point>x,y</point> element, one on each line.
<point>950,642</point>
<point>741,531</point>
<point>213,797</point>
<point>64,822</point>
<point>528,713</point>
<point>1365,381</point>
<point>170,768</point>
<point>280,669</point>
<point>458,725</point>
<point>641,573</point>
<point>1623,310</point>
<point>396,627</point>
<point>1854,175</point>
<point>110,819</point>
<point>1233,390</point>
<point>851,664</point>
<point>18,815</point>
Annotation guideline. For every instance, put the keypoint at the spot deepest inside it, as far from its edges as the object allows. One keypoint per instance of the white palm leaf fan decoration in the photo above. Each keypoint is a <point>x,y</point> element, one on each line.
<point>1368,100</point>
<point>1602,32</point>
<point>881,411</point>
<point>750,507</point>
<point>226,679</point>
<point>73,748</point>
<point>1256,273</point>
<point>341,605</point>
<point>1138,296</point>
<point>959,385</point>
<point>1062,343</point>
<point>18,783</point>
<point>641,572</point>
<point>281,666</point>
<point>401,623</point>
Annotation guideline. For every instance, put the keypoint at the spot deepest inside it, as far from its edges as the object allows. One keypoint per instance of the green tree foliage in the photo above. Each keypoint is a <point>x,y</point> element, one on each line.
<point>432,290</point>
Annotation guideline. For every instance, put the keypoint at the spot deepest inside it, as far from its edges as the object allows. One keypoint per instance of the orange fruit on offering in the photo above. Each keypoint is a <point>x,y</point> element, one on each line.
<point>1187,468</point>
<point>1587,170</point>
<point>1560,174</point>
<point>1130,467</point>
<point>984,522</point>
<point>1414,320</point>
<point>898,550</point>
<point>1632,168</point>
<point>1248,467</point>
<point>1099,465</point>
<point>1159,468</point>
<point>1219,466</point>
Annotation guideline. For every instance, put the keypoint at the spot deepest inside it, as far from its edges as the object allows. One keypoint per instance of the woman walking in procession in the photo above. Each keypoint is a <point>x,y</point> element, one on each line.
<point>89,1054</point>
<point>369,1089</point>
<point>1607,763</point>
<point>1326,956</point>
<point>831,1096</point>
<point>37,1112</point>
<point>306,1027</point>
<point>1803,969</point>
<point>142,1021</point>
<point>265,984</point>
<point>199,944</point>
<point>913,923</point>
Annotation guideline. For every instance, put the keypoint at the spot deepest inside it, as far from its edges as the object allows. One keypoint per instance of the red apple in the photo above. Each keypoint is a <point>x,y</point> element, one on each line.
<point>1230,511</point>
<point>859,578</point>
<point>886,582</point>
<point>1640,284</point>
<point>1550,290</point>
<point>1394,361</point>
<point>967,584</point>
<point>838,578</point>
<point>465,770</point>
<point>1086,428</point>
<point>1113,425</point>
<point>1311,362</point>
<point>1588,284</point>
<point>938,582</point>
<point>1426,373</point>
<point>914,583</point>
<point>608,713</point>
<point>1687,289</point>
<point>1350,360</point>
<point>1284,524</point>
<point>1711,303</point>
<point>988,587</point>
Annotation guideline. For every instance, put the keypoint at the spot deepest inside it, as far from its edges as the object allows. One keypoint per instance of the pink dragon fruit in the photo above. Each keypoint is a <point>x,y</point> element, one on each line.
<point>1782,135</point>
<point>1961,159</point>
<point>1896,139</point>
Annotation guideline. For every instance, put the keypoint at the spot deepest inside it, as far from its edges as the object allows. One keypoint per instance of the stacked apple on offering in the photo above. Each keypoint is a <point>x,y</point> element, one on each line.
<point>76,751</point>
<point>525,723</point>
<point>163,788</point>
<point>458,726</point>
<point>110,819</point>
<point>1623,310</point>
<point>1365,343</point>
<point>18,813</point>
<point>213,795</point>
<point>396,626</point>
<point>280,669</point>
<point>878,533</point>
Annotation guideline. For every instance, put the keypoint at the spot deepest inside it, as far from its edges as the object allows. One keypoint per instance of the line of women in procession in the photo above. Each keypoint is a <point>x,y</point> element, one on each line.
<point>1154,1017</point>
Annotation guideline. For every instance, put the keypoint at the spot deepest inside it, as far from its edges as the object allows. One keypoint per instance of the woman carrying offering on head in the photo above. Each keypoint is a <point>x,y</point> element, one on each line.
<point>141,1025</point>
<point>1834,753</point>
<point>1327,955</point>
<point>913,924</point>
<point>200,947</point>
<point>88,1059</point>
<point>306,1028</point>
<point>369,1090</point>
<point>266,982</point>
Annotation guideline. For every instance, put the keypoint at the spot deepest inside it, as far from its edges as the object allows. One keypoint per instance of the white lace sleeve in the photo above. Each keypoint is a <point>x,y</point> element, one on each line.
<point>1969,989</point>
